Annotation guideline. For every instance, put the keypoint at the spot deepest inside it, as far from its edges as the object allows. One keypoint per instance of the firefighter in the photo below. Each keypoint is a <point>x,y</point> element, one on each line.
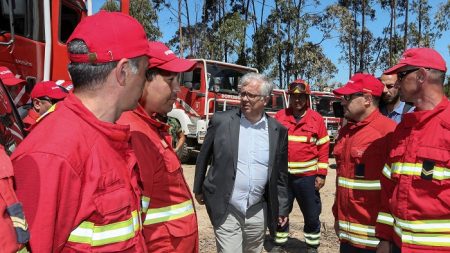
<point>415,198</point>
<point>43,96</point>
<point>13,226</point>
<point>16,88</point>
<point>75,172</point>
<point>360,153</point>
<point>307,161</point>
<point>169,218</point>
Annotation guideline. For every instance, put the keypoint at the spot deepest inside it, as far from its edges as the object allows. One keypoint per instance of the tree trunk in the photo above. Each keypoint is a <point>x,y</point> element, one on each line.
<point>419,34</point>
<point>280,64</point>
<point>391,26</point>
<point>190,35</point>
<point>405,35</point>
<point>180,30</point>
<point>363,23</point>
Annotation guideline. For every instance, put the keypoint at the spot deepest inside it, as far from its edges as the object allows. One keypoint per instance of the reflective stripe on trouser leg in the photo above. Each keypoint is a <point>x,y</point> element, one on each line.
<point>310,204</point>
<point>282,234</point>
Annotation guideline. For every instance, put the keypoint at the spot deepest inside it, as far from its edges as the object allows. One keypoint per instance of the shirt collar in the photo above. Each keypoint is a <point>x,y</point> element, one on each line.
<point>262,122</point>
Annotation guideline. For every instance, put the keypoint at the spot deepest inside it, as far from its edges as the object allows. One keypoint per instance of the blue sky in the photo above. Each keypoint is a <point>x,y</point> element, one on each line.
<point>168,25</point>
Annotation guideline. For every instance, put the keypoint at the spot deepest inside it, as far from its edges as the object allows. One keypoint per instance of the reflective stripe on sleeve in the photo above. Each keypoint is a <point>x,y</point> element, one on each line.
<point>323,140</point>
<point>359,184</point>
<point>303,170</point>
<point>163,214</point>
<point>297,138</point>
<point>386,171</point>
<point>359,239</point>
<point>145,202</point>
<point>385,218</point>
<point>295,165</point>
<point>322,165</point>
<point>429,226</point>
<point>415,169</point>
<point>357,228</point>
<point>98,235</point>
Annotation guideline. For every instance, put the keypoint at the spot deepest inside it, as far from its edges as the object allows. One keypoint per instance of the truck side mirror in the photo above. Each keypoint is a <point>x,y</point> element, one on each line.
<point>338,109</point>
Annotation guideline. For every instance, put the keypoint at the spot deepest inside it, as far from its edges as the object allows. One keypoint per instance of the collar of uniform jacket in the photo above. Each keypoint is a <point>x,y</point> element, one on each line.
<point>417,119</point>
<point>370,118</point>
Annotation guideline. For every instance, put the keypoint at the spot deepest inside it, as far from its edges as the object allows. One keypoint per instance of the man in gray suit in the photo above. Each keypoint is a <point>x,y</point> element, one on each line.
<point>245,189</point>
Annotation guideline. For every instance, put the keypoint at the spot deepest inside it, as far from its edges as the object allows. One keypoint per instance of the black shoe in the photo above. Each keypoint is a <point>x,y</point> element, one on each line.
<point>277,249</point>
<point>311,250</point>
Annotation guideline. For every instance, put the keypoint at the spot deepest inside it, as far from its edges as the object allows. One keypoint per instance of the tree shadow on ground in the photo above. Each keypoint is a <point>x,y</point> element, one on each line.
<point>293,245</point>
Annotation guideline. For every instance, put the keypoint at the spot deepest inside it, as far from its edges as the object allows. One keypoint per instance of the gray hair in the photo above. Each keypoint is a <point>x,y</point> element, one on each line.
<point>91,75</point>
<point>265,83</point>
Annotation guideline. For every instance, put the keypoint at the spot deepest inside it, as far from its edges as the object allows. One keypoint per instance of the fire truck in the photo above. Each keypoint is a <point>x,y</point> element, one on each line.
<point>209,87</point>
<point>33,35</point>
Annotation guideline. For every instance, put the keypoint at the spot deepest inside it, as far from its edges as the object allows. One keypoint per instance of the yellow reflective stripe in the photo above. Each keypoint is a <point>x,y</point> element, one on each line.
<point>358,239</point>
<point>385,218</point>
<point>359,184</point>
<point>50,110</point>
<point>302,164</point>
<point>323,140</point>
<point>415,169</point>
<point>98,235</point>
<point>145,202</point>
<point>387,171</point>
<point>19,222</point>
<point>322,165</point>
<point>357,228</point>
<point>157,215</point>
<point>303,170</point>
<point>423,239</point>
<point>429,226</point>
<point>312,239</point>
<point>23,250</point>
<point>297,138</point>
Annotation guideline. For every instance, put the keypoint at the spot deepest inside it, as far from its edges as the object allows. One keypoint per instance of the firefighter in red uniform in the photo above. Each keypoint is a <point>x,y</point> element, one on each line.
<point>307,161</point>
<point>415,198</point>
<point>13,226</point>
<point>15,86</point>
<point>169,218</point>
<point>360,153</point>
<point>75,172</point>
<point>43,96</point>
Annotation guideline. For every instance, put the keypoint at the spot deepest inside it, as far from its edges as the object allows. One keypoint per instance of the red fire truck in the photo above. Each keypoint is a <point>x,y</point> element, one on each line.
<point>210,87</point>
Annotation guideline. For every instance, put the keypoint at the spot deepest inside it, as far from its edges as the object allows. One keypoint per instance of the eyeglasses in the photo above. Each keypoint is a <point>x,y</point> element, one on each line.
<point>351,96</point>
<point>249,95</point>
<point>403,74</point>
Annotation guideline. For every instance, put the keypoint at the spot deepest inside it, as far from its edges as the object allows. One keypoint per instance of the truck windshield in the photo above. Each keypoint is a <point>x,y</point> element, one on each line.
<point>323,105</point>
<point>224,79</point>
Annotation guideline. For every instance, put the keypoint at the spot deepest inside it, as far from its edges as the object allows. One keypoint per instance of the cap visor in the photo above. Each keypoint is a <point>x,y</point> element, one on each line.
<point>58,94</point>
<point>394,69</point>
<point>177,65</point>
<point>12,81</point>
<point>344,91</point>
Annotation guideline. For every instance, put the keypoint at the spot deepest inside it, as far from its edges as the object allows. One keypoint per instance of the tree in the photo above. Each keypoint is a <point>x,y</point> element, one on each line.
<point>145,12</point>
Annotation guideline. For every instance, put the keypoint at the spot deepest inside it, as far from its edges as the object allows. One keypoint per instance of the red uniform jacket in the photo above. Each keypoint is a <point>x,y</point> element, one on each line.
<point>168,209</point>
<point>75,177</point>
<point>8,238</point>
<point>415,206</point>
<point>30,119</point>
<point>308,143</point>
<point>360,154</point>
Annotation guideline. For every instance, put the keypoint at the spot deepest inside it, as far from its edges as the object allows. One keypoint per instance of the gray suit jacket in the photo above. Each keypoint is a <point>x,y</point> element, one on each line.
<point>221,148</point>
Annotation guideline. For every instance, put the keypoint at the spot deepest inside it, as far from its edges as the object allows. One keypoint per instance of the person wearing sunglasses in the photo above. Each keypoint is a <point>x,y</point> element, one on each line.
<point>307,161</point>
<point>390,105</point>
<point>360,154</point>
<point>43,96</point>
<point>414,215</point>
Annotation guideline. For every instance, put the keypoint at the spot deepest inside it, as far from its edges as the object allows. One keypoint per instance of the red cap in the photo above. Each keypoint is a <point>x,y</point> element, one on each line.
<point>48,89</point>
<point>419,57</point>
<point>109,36</point>
<point>361,83</point>
<point>160,56</point>
<point>299,86</point>
<point>8,78</point>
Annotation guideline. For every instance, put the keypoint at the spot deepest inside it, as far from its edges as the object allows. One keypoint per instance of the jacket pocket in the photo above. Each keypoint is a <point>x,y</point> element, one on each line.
<point>171,161</point>
<point>113,201</point>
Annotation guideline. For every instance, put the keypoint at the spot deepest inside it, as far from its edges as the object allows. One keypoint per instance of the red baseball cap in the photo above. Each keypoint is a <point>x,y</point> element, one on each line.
<point>8,78</point>
<point>299,86</point>
<point>48,89</point>
<point>109,36</point>
<point>419,57</point>
<point>160,56</point>
<point>361,83</point>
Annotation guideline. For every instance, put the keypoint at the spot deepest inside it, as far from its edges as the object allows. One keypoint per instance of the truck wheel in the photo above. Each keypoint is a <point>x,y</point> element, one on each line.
<point>184,154</point>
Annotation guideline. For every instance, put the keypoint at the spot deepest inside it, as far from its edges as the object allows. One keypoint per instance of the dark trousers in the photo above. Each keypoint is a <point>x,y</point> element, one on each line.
<point>303,190</point>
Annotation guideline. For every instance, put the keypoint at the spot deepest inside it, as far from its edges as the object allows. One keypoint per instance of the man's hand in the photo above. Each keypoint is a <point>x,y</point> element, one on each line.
<point>320,182</point>
<point>282,220</point>
<point>199,198</point>
<point>336,228</point>
<point>384,247</point>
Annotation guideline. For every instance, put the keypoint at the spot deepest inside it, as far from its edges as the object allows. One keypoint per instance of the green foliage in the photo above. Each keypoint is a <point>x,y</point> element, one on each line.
<point>145,12</point>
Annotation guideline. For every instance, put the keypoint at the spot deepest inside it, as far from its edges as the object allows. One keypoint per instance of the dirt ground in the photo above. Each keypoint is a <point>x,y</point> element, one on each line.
<point>296,244</point>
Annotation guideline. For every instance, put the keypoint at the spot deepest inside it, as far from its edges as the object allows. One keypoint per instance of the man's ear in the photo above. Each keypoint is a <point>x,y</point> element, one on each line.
<point>36,104</point>
<point>121,71</point>
<point>422,74</point>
